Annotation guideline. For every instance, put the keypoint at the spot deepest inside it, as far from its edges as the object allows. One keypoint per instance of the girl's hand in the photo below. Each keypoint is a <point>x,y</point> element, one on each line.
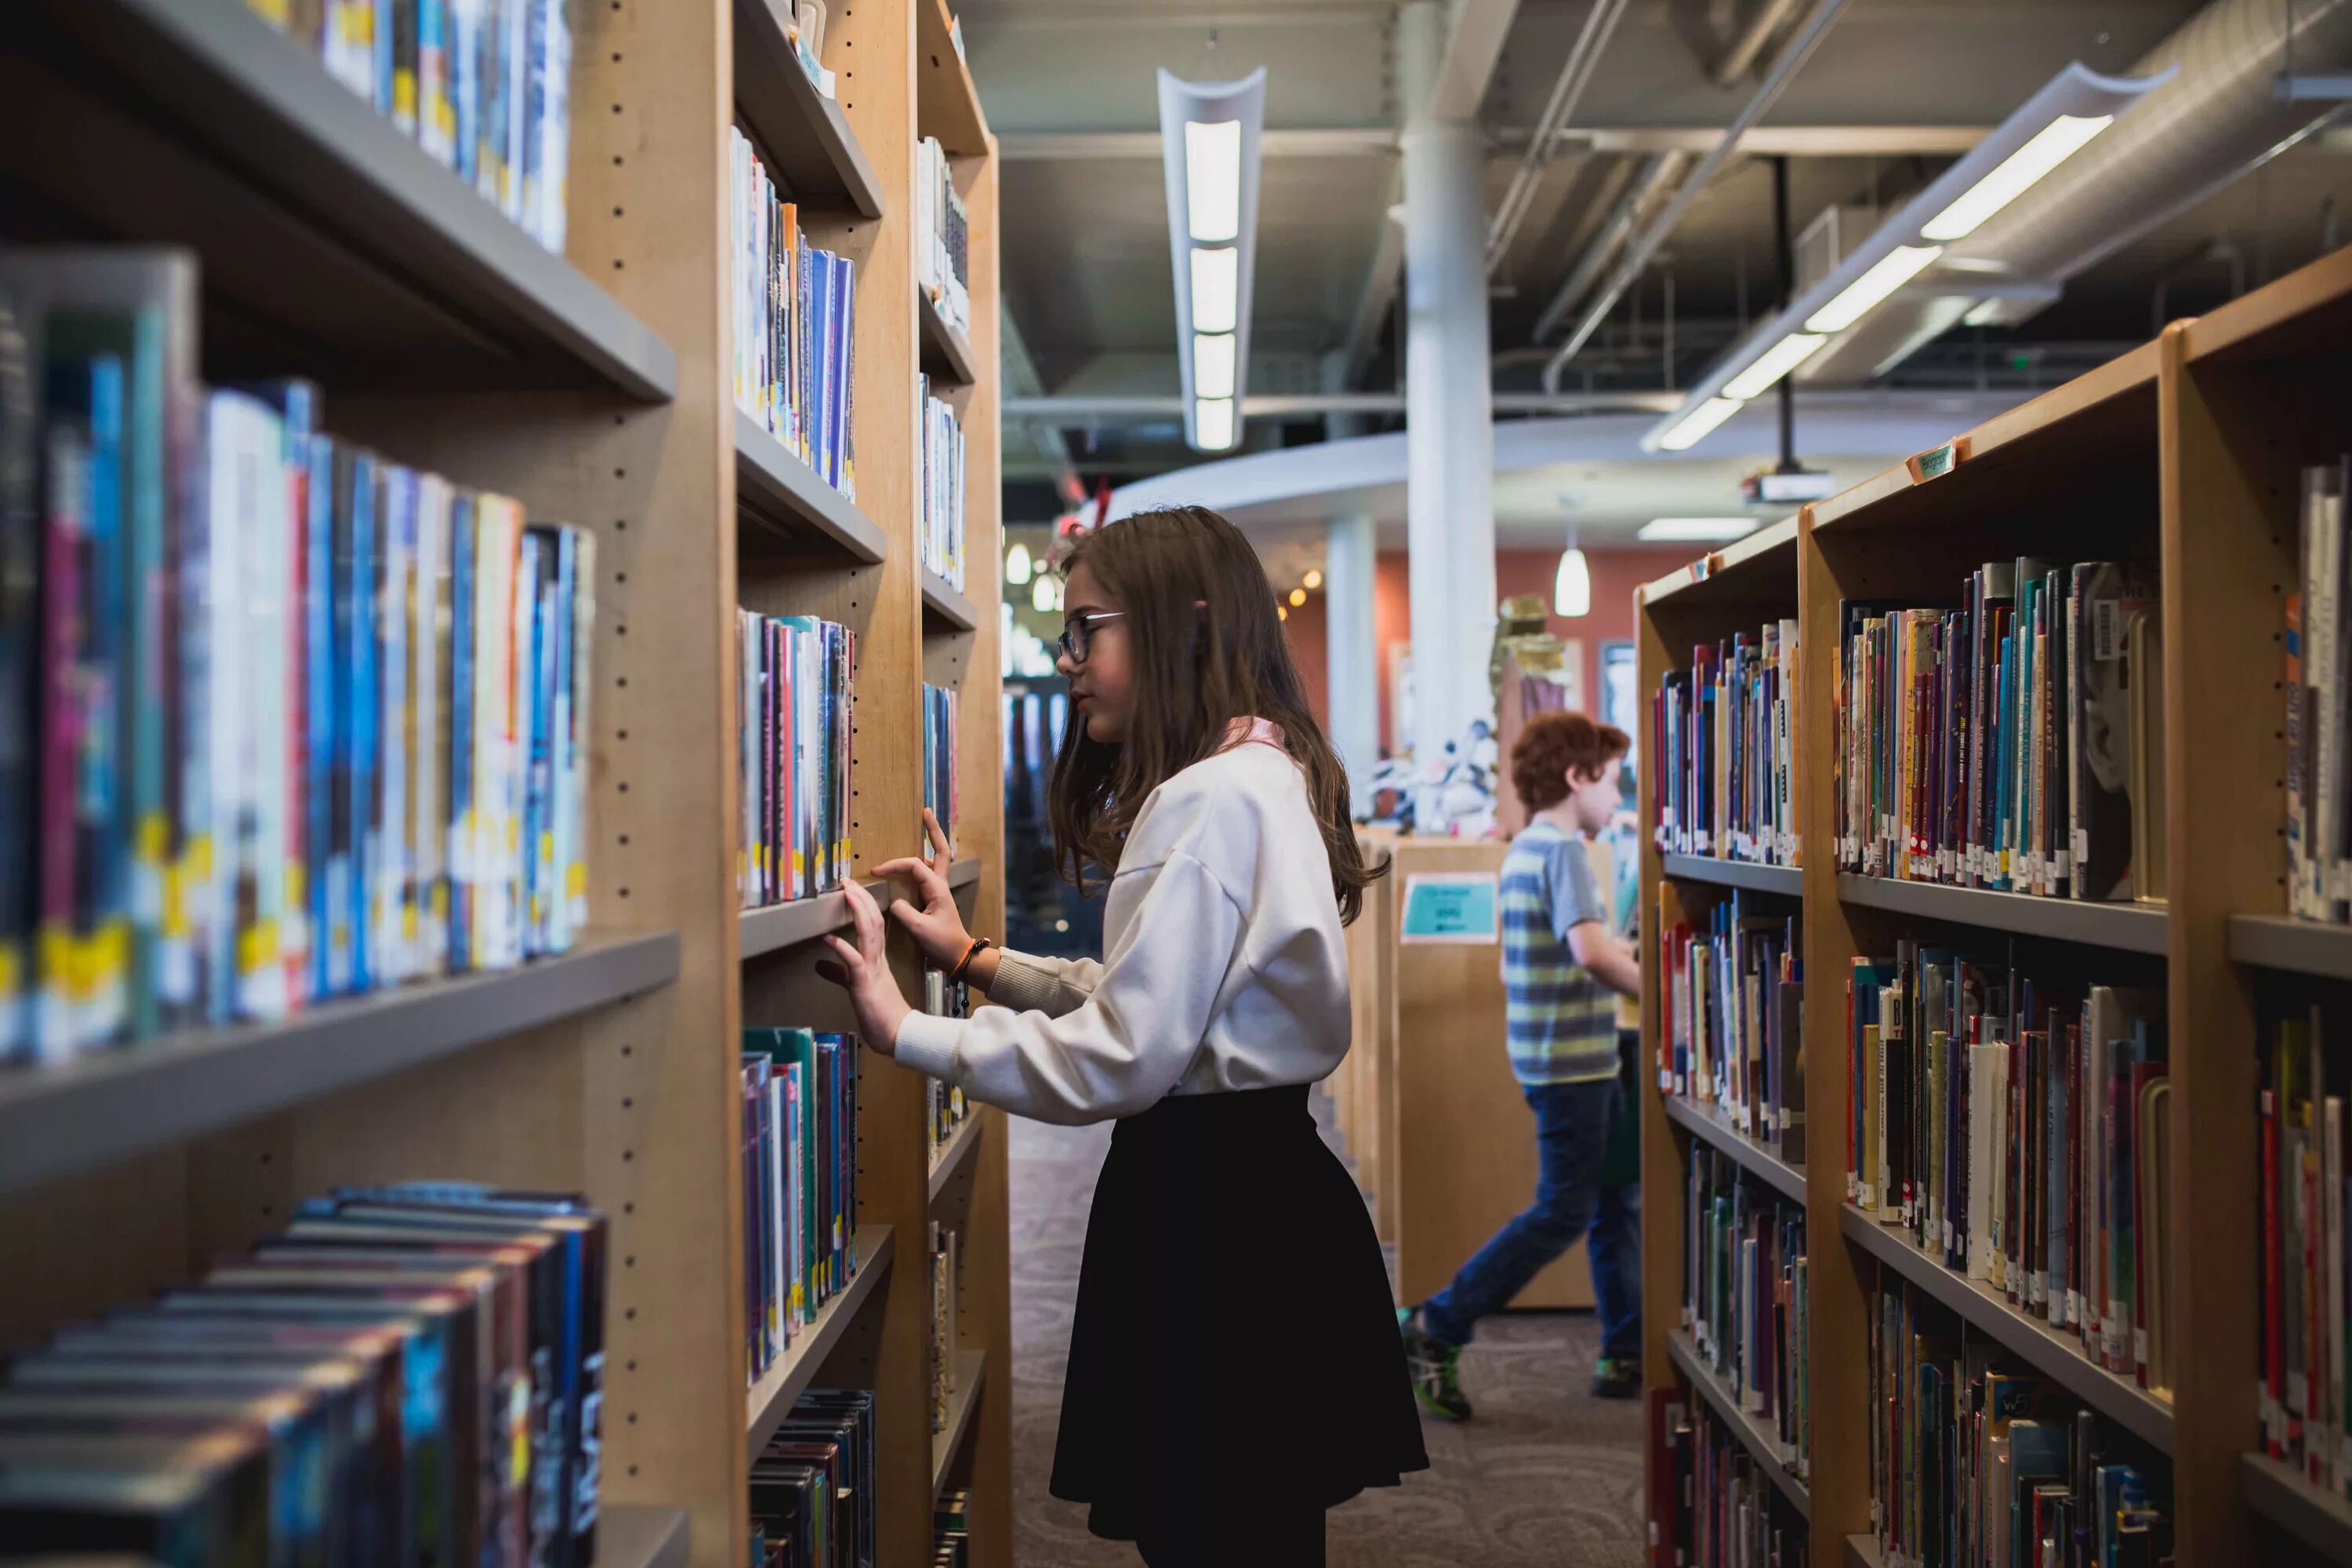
<point>938,926</point>
<point>865,973</point>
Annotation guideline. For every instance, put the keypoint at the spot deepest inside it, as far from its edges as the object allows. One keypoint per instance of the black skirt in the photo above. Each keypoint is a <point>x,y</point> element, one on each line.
<point>1235,1351</point>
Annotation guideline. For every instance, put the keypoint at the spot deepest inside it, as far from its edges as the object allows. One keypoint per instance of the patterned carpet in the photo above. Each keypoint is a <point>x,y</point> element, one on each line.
<point>1546,1477</point>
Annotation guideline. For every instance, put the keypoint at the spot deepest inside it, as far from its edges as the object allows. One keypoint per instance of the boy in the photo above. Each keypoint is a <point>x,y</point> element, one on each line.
<point>1562,970</point>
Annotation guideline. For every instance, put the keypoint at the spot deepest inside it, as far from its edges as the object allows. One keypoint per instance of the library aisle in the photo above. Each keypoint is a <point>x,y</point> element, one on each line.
<point>1547,1476</point>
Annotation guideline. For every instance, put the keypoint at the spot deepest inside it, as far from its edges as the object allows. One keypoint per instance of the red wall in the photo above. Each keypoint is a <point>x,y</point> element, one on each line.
<point>1615,574</point>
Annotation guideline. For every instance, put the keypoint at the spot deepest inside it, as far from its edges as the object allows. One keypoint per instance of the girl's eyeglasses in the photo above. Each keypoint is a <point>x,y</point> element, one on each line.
<point>1078,631</point>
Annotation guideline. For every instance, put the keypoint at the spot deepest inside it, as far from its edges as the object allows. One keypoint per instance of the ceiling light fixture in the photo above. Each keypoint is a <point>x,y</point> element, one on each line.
<point>1571,585</point>
<point>1896,268</point>
<point>1018,567</point>
<point>1208,142</point>
<point>1697,528</point>
<point>1698,424</point>
<point>1297,598</point>
<point>1772,364</point>
<point>1313,580</point>
<point>1042,597</point>
<point>2015,174</point>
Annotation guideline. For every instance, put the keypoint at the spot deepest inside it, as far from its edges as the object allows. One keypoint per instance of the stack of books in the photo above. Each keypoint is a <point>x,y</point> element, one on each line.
<point>419,1365</point>
<point>947,1283</point>
<point>940,791</point>
<point>2306,1376</point>
<point>2014,741</point>
<point>1730,1012</point>
<point>813,1490</point>
<point>484,85</point>
<point>793,740</point>
<point>1724,732</point>
<point>280,720</point>
<point>951,1530</point>
<point>800,1183</point>
<point>2021,1133</point>
<point>1721,1513</point>
<point>1973,1462</point>
<point>942,236</point>
<point>1744,1293</point>
<point>940,528</point>
<point>795,360</point>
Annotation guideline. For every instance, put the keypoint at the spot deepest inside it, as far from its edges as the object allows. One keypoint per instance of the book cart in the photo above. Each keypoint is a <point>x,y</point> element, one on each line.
<point>595,387</point>
<point>2187,450</point>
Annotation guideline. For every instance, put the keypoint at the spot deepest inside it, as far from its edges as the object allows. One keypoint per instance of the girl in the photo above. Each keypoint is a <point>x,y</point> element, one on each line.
<point>1235,1367</point>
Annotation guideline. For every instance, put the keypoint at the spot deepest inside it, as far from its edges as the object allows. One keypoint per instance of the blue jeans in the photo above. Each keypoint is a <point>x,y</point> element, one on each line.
<point>1572,1202</point>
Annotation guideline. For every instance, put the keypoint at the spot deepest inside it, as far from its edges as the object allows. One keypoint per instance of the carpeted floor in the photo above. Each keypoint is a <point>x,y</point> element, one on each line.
<point>1547,1476</point>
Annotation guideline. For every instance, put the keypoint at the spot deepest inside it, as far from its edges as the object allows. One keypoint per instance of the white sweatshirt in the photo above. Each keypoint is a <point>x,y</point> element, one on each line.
<point>1224,966</point>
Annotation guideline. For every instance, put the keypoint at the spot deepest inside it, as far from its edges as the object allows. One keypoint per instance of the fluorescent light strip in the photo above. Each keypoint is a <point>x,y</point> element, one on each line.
<point>1698,424</point>
<point>1892,270</point>
<point>1772,364</point>
<point>1697,528</point>
<point>2013,175</point>
<point>1213,364</point>
<point>1213,180</point>
<point>1213,423</point>
<point>1217,290</point>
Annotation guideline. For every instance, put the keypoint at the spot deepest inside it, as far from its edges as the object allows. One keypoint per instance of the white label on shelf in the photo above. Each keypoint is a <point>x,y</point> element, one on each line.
<point>2082,845</point>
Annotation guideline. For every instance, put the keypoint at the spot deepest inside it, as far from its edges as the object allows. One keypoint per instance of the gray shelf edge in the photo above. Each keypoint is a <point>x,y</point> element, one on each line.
<point>2054,1354</point>
<point>1759,1159</point>
<point>636,1536</point>
<point>759,27</point>
<point>775,927</point>
<point>2291,946</point>
<point>224,42</point>
<point>971,1371</point>
<point>958,1148</point>
<point>2280,1495</point>
<point>945,603</point>
<point>772,482</point>
<point>1775,1457</point>
<point>964,873</point>
<point>105,1106</point>
<point>1786,880</point>
<point>1862,1551</point>
<point>941,335</point>
<point>766,1403</point>
<point>2126,928</point>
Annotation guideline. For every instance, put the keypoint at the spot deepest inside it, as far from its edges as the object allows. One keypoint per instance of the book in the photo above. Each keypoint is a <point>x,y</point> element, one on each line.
<point>1729,1037</point>
<point>940,526</point>
<point>799,1163</point>
<point>1724,732</point>
<point>1743,1277</point>
<point>795,692</point>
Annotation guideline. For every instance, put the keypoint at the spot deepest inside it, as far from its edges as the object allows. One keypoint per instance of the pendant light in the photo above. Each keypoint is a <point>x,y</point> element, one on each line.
<point>1571,589</point>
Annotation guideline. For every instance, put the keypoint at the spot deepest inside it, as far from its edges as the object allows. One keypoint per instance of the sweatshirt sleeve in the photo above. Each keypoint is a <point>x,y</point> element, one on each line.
<point>1130,1041</point>
<point>1028,983</point>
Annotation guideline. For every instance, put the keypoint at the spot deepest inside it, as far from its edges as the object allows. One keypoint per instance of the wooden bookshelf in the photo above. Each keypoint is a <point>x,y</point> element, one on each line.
<point>946,607</point>
<point>949,1160</point>
<point>775,927</point>
<point>947,1444</point>
<point>947,353</point>
<point>2186,451</point>
<point>594,385</point>
<point>1774,1458</point>
<point>1710,1125</point>
<point>771,1398</point>
<point>1862,1551</point>
<point>1788,882</point>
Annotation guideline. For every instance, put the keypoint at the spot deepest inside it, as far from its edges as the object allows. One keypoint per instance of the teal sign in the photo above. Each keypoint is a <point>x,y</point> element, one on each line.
<point>1450,907</point>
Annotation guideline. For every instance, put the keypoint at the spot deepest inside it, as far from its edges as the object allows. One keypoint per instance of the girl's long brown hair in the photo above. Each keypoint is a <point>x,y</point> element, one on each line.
<point>1196,670</point>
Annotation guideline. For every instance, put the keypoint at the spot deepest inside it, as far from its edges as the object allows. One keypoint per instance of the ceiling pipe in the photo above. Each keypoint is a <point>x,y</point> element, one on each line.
<point>1740,58</point>
<point>1575,74</point>
<point>1791,61</point>
<point>1656,175</point>
<point>1082,409</point>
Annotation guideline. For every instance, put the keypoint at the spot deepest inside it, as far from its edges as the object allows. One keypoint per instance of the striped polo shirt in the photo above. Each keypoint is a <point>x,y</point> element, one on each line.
<point>1563,1022</point>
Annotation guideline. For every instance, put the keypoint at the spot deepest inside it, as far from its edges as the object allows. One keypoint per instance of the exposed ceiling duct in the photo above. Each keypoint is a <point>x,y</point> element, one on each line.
<point>1582,57</point>
<point>2221,116</point>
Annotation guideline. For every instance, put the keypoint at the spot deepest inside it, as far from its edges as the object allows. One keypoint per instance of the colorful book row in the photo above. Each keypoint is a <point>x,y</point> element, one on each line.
<point>800,1183</point>
<point>939,531</point>
<point>795,356</point>
<point>792,734</point>
<point>1745,1291</point>
<point>1725,733</point>
<point>813,1494</point>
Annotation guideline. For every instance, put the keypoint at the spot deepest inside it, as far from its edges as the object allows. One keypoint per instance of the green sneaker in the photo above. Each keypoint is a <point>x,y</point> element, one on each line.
<point>1617,1377</point>
<point>1437,1369</point>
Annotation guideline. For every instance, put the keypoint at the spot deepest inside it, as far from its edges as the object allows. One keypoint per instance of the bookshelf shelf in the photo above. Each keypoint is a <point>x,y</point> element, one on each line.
<point>2126,928</point>
<point>1788,882</point>
<point>944,606</point>
<point>779,926</point>
<point>972,1370</point>
<point>2291,946</point>
<point>1862,1551</point>
<point>964,873</point>
<point>1743,569</point>
<point>2284,1498</point>
<point>946,104</point>
<point>771,1398</point>
<point>95,1109</point>
<point>335,237</point>
<point>951,1156</point>
<point>2054,1354</point>
<point>782,496</point>
<point>1777,1459</point>
<point>1708,1123</point>
<point>641,1537</point>
<point>801,131</point>
<point>947,352</point>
